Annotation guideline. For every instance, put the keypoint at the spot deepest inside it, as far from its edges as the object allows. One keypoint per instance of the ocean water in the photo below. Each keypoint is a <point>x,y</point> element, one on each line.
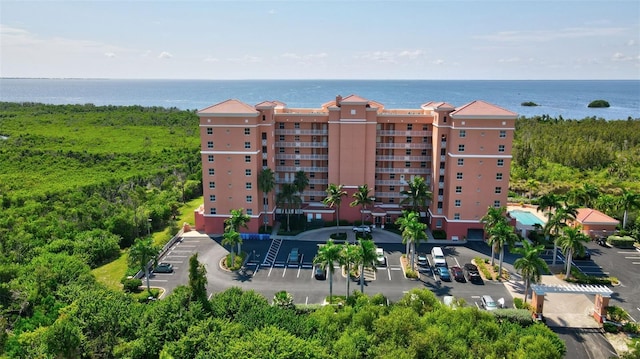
<point>565,98</point>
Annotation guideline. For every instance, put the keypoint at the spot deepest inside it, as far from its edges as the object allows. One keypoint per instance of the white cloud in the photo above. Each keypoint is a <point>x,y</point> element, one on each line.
<point>109,54</point>
<point>411,54</point>
<point>509,60</point>
<point>549,35</point>
<point>293,56</point>
<point>631,42</point>
<point>438,62</point>
<point>271,12</point>
<point>165,55</point>
<point>211,59</point>
<point>392,57</point>
<point>246,59</point>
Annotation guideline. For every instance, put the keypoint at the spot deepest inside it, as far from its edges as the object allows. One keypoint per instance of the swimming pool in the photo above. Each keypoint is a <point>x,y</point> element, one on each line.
<point>526,218</point>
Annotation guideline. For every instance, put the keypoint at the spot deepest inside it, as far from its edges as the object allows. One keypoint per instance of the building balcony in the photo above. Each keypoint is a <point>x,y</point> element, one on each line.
<point>284,156</point>
<point>403,145</point>
<point>403,133</point>
<point>419,171</point>
<point>314,181</point>
<point>404,158</point>
<point>302,144</point>
<point>319,132</point>
<point>301,168</point>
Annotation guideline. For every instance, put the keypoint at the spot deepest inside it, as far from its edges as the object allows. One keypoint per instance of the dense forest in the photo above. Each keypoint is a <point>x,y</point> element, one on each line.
<point>80,183</point>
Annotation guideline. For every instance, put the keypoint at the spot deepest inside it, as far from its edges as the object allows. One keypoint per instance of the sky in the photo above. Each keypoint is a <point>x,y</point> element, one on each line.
<point>449,40</point>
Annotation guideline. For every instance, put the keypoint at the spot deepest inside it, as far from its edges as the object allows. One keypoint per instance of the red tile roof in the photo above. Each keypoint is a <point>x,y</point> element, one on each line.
<point>437,105</point>
<point>354,99</point>
<point>231,106</point>
<point>482,109</point>
<point>593,216</point>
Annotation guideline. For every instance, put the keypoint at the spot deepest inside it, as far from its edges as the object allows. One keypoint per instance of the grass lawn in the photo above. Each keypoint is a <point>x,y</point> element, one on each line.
<point>111,273</point>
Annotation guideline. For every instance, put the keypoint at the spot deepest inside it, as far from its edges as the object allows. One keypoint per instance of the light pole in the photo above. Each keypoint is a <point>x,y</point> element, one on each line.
<point>149,226</point>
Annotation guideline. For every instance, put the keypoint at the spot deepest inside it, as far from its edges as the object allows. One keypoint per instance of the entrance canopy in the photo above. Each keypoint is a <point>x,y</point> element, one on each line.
<point>542,289</point>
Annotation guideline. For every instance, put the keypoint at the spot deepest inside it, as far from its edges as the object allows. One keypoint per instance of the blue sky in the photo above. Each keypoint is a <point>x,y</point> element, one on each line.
<point>452,39</point>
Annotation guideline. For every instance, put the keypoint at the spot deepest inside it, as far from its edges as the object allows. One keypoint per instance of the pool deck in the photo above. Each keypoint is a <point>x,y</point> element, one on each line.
<point>527,208</point>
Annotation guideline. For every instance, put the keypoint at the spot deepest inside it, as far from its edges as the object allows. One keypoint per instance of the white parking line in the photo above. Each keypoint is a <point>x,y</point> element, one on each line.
<point>628,252</point>
<point>284,271</point>
<point>632,257</point>
<point>299,269</point>
<point>157,280</point>
<point>389,272</point>
<point>176,255</point>
<point>187,245</point>
<point>270,269</point>
<point>635,262</point>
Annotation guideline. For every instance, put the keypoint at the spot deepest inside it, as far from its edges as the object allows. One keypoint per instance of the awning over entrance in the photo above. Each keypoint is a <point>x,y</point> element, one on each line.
<point>541,289</point>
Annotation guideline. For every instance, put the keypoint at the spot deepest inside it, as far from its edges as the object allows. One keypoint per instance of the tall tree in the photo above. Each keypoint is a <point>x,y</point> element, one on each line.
<point>502,234</point>
<point>362,199</point>
<point>328,255</point>
<point>288,198</point>
<point>628,201</point>
<point>141,253</point>
<point>238,219</point>
<point>334,199</point>
<point>530,265</point>
<point>266,183</point>
<point>493,216</point>
<point>549,202</point>
<point>231,238</point>
<point>412,231</point>
<point>417,195</point>
<point>301,181</point>
<point>571,241</point>
<point>367,258</point>
<point>198,280</point>
<point>349,256</point>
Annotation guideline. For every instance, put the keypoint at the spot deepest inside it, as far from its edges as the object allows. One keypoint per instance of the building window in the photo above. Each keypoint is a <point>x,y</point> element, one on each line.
<point>407,164</point>
<point>247,172</point>
<point>247,145</point>
<point>212,211</point>
<point>210,158</point>
<point>500,148</point>
<point>500,163</point>
<point>281,125</point>
<point>296,163</point>
<point>212,171</point>
<point>249,211</point>
<point>456,216</point>
<point>312,186</point>
<point>249,199</point>
<point>281,162</point>
<point>296,125</point>
<point>439,221</point>
<point>458,189</point>
<point>392,188</point>
<point>503,134</point>
<point>425,128</point>
<point>409,126</point>
<point>247,131</point>
<point>499,176</point>
<point>264,163</point>
<point>407,152</point>
<point>423,153</point>
<point>425,139</point>
<point>409,139</point>
<point>423,164</point>
<point>247,158</point>
<point>459,175</point>
<point>209,144</point>
<point>460,148</point>
<point>460,161</point>
<point>212,198</point>
<point>441,165</point>
<point>439,205</point>
<point>392,200</point>
<point>296,150</point>
<point>463,133</point>
<point>281,137</point>
<point>264,135</point>
<point>209,131</point>
<point>496,204</point>
<point>440,191</point>
<point>281,149</point>
<point>443,151</point>
<point>247,185</point>
<point>312,198</point>
<point>457,203</point>
<point>392,176</point>
<point>212,185</point>
<point>264,149</point>
<point>312,175</point>
<point>498,190</point>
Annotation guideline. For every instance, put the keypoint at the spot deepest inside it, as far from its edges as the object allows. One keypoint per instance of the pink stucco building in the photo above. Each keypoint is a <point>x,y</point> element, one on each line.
<point>464,154</point>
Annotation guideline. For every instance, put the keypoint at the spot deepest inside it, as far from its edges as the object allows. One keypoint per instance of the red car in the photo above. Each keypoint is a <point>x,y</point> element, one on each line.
<point>457,273</point>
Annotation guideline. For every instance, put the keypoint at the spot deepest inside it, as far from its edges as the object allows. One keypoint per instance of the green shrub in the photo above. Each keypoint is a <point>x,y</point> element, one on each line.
<point>131,285</point>
<point>631,327</point>
<point>341,236</point>
<point>621,242</point>
<point>410,273</point>
<point>610,327</point>
<point>239,259</point>
<point>617,314</point>
<point>439,234</point>
<point>379,299</point>
<point>519,316</point>
<point>598,103</point>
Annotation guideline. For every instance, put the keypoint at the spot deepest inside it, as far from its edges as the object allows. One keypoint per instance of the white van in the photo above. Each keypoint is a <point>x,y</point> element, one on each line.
<point>438,257</point>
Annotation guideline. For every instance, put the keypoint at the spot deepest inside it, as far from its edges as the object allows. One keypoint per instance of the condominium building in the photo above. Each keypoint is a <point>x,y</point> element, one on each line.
<point>463,153</point>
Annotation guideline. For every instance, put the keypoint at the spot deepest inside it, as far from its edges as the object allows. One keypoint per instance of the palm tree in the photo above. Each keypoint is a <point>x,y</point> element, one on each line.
<point>412,231</point>
<point>628,201</point>
<point>141,253</point>
<point>231,238</point>
<point>571,241</point>
<point>494,216</point>
<point>530,265</point>
<point>417,195</point>
<point>585,196</point>
<point>548,202</point>
<point>366,258</point>
<point>266,183</point>
<point>502,234</point>
<point>334,198</point>
<point>349,256</point>
<point>238,219</point>
<point>327,256</point>
<point>288,198</point>
<point>301,181</point>
<point>362,199</point>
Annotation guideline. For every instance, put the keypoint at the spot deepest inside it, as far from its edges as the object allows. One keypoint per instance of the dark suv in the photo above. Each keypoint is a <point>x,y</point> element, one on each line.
<point>471,273</point>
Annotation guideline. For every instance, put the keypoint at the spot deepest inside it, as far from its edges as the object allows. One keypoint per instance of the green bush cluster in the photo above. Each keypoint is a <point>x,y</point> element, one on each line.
<point>519,316</point>
<point>481,263</point>
<point>131,285</point>
<point>439,234</point>
<point>621,242</point>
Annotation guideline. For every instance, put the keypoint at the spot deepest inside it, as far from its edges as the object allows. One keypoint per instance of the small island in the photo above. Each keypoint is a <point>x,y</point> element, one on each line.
<point>598,103</point>
<point>529,103</point>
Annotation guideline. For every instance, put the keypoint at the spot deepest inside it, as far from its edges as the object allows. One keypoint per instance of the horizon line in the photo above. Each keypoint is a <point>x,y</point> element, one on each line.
<point>292,79</point>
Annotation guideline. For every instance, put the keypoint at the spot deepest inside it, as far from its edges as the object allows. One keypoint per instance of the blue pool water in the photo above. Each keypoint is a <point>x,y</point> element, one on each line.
<point>526,218</point>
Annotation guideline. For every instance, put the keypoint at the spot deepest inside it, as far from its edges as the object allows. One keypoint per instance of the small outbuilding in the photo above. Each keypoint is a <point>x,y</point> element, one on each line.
<point>595,223</point>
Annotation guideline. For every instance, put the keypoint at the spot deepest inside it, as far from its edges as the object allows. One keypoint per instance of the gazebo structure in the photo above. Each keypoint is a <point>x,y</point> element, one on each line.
<point>602,293</point>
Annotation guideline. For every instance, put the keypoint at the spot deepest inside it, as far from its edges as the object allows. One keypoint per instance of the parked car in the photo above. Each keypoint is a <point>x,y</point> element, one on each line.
<point>583,257</point>
<point>488,303</point>
<point>163,268</point>
<point>422,260</point>
<point>443,273</point>
<point>294,257</point>
<point>382,261</point>
<point>457,274</point>
<point>471,273</point>
<point>362,229</point>
<point>320,273</point>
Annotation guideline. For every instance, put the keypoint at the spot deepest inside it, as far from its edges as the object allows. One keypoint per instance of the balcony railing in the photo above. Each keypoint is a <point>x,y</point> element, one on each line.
<point>403,133</point>
<point>303,144</point>
<point>420,171</point>
<point>420,145</point>
<point>284,156</point>
<point>300,168</point>
<point>404,158</point>
<point>320,132</point>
